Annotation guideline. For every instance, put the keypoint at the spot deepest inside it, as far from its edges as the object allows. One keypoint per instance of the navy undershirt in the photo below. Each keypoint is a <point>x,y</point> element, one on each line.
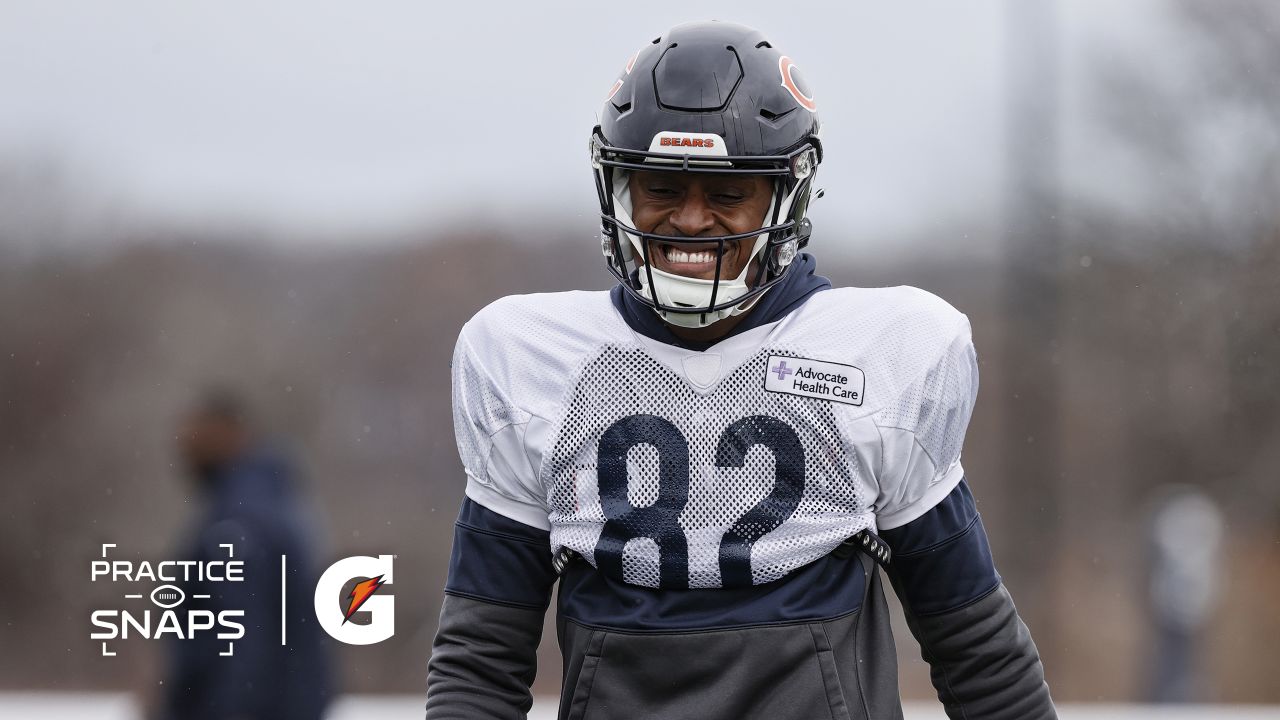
<point>800,282</point>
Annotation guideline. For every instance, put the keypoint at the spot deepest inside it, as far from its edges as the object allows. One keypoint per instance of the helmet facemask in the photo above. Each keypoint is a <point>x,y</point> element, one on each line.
<point>695,302</point>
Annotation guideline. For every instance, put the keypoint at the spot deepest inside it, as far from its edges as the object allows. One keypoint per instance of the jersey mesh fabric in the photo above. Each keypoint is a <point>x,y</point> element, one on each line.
<point>479,411</point>
<point>757,483</point>
<point>937,407</point>
<point>622,382</point>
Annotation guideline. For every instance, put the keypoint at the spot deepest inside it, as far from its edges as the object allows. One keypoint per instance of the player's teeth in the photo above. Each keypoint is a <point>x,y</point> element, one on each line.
<point>680,256</point>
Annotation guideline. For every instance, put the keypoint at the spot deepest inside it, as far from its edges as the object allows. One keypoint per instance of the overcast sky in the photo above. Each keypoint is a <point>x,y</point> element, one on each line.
<point>340,117</point>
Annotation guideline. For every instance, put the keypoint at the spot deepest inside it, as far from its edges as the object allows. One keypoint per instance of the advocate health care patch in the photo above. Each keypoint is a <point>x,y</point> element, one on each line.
<point>815,379</point>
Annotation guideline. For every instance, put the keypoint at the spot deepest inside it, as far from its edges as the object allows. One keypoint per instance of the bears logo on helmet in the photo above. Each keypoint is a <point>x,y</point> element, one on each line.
<point>787,69</point>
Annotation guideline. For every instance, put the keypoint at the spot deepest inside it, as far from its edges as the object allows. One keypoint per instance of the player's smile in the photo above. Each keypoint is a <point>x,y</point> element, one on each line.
<point>697,261</point>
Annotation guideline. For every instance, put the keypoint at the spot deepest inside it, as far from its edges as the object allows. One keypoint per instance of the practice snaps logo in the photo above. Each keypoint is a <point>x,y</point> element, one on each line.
<point>168,619</point>
<point>334,611</point>
<point>181,599</point>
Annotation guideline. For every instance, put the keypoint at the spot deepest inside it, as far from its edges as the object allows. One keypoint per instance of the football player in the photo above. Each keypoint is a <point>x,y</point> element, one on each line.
<point>715,458</point>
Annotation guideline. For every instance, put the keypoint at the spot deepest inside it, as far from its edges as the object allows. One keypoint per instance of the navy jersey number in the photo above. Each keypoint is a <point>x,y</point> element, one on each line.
<point>660,521</point>
<point>774,508</point>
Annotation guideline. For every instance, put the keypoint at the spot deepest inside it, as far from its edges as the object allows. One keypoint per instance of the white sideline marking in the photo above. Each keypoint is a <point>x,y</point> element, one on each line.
<point>284,619</point>
<point>122,706</point>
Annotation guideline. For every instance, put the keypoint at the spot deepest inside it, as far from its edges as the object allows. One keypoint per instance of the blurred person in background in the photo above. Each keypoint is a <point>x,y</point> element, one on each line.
<point>248,499</point>
<point>1184,578</point>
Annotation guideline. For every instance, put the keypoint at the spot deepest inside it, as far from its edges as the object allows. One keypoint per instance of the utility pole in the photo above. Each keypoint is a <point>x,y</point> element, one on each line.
<point>1032,464</point>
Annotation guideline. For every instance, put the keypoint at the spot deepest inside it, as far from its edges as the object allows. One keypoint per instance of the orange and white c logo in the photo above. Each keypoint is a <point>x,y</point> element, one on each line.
<point>785,67</point>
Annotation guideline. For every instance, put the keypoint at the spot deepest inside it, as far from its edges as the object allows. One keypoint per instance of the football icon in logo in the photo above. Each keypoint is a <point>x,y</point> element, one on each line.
<point>168,596</point>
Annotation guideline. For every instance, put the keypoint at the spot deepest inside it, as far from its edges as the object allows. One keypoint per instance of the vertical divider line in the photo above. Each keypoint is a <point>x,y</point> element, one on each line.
<point>284,620</point>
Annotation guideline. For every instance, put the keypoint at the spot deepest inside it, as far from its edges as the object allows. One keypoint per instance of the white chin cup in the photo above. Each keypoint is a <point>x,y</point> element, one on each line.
<point>674,290</point>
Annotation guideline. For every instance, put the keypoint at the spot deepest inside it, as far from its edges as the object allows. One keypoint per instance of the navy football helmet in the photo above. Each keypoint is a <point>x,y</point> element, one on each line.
<point>708,97</point>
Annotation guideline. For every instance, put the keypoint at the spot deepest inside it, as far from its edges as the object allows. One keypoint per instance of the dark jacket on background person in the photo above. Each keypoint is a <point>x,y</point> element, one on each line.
<point>251,503</point>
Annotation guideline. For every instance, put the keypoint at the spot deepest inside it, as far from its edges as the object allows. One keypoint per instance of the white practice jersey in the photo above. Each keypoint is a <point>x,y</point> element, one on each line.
<point>667,467</point>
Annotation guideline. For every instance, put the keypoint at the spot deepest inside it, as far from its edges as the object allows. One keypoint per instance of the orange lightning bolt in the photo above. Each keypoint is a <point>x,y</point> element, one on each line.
<point>361,592</point>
